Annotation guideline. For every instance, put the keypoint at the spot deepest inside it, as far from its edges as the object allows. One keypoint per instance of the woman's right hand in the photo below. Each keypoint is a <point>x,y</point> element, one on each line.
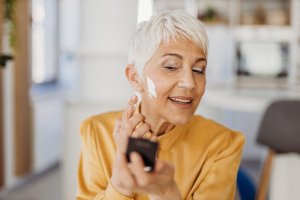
<point>125,127</point>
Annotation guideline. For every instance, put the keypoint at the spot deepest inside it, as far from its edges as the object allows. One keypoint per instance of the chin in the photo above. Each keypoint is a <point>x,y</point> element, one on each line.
<point>181,120</point>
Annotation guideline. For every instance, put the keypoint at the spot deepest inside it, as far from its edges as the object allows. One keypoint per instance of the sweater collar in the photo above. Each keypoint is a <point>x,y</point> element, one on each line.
<point>165,140</point>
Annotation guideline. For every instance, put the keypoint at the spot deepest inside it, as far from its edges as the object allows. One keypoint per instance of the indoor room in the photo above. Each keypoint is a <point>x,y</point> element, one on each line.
<point>63,61</point>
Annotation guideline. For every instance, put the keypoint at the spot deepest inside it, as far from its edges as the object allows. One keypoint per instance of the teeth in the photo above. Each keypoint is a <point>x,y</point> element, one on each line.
<point>180,100</point>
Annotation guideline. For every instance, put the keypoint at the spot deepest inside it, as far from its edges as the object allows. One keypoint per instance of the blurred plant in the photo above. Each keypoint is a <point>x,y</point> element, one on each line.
<point>9,16</point>
<point>210,15</point>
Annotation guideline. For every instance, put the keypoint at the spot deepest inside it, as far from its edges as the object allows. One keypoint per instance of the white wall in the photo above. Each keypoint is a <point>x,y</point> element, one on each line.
<point>69,41</point>
<point>105,29</point>
<point>47,130</point>
<point>103,79</point>
<point>8,96</point>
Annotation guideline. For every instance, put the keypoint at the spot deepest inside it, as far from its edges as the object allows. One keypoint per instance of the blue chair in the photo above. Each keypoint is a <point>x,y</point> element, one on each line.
<point>245,185</point>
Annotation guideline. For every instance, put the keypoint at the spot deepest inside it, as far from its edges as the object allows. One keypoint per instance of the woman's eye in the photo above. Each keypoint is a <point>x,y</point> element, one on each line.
<point>198,71</point>
<point>170,68</point>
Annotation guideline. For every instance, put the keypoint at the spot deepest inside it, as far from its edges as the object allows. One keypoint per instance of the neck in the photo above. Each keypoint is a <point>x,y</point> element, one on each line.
<point>159,126</point>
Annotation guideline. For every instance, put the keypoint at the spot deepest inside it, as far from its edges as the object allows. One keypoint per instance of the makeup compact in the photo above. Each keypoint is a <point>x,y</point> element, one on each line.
<point>145,148</point>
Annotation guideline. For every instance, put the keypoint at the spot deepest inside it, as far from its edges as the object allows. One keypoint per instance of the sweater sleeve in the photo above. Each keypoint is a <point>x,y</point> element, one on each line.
<point>220,181</point>
<point>92,182</point>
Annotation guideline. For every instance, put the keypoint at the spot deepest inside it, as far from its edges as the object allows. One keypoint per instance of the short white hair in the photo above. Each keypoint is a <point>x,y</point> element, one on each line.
<point>160,28</point>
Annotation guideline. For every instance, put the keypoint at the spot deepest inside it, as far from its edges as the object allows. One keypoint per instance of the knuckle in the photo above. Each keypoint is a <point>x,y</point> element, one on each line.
<point>146,127</point>
<point>117,125</point>
<point>134,134</point>
<point>128,125</point>
<point>140,116</point>
<point>143,117</point>
<point>115,133</point>
<point>149,126</point>
<point>125,115</point>
<point>137,134</point>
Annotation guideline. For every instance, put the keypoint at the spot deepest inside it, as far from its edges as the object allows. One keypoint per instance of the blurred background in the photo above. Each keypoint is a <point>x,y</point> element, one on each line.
<point>64,60</point>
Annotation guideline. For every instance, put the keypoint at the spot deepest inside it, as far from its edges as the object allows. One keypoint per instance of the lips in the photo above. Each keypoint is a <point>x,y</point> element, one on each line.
<point>181,102</point>
<point>182,99</point>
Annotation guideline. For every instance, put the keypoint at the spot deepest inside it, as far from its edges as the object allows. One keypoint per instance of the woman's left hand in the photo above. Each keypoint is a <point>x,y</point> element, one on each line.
<point>158,184</point>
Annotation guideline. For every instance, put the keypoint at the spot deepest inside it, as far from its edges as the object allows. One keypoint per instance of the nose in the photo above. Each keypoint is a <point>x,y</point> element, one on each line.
<point>187,80</point>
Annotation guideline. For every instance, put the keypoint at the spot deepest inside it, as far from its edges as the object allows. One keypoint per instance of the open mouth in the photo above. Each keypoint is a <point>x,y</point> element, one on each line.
<point>181,101</point>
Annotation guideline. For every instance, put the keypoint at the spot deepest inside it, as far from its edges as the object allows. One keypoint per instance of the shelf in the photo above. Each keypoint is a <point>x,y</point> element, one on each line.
<point>264,33</point>
<point>84,53</point>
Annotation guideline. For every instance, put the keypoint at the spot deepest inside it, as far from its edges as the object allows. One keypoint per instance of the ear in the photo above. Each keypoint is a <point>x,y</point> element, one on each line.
<point>134,79</point>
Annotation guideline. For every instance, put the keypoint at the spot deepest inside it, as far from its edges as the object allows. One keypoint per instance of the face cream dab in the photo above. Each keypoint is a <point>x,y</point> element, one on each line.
<point>151,88</point>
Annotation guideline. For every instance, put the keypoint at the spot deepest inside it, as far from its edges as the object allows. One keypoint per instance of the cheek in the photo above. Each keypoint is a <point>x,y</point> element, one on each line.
<point>163,84</point>
<point>201,88</point>
<point>163,87</point>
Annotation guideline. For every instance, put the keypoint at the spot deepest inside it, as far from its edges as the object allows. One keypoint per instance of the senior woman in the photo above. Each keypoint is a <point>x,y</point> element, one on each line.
<point>197,158</point>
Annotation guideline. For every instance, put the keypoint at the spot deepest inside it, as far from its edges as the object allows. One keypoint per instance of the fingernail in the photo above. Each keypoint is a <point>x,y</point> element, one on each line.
<point>147,169</point>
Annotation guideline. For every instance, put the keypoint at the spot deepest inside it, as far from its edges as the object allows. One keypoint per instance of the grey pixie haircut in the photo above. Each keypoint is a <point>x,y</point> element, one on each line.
<point>160,28</point>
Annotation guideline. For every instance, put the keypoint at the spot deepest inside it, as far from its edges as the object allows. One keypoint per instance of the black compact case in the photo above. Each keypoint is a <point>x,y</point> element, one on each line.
<point>145,148</point>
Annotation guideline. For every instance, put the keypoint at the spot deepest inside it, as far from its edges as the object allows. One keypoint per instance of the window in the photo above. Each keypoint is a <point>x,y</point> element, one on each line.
<point>44,41</point>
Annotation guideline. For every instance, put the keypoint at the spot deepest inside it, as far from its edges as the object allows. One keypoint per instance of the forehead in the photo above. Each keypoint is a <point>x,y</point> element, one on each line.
<point>181,45</point>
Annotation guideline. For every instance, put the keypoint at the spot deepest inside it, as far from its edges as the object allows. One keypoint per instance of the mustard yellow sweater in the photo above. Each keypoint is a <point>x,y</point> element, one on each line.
<point>206,156</point>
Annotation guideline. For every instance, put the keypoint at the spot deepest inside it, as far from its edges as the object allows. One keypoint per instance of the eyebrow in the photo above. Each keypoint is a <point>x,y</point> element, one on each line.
<point>173,54</point>
<point>180,57</point>
<point>201,59</point>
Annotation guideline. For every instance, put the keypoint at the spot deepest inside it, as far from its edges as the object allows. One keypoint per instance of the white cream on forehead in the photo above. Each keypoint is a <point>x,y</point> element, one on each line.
<point>151,88</point>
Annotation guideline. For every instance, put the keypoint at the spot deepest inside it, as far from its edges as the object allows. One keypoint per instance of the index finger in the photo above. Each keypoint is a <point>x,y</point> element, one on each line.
<point>128,112</point>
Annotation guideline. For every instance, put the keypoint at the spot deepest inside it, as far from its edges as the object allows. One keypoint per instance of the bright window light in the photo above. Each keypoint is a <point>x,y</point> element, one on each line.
<point>145,10</point>
<point>44,41</point>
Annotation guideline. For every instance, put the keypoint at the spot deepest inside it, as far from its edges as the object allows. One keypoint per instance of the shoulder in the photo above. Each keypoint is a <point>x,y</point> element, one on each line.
<point>100,122</point>
<point>216,134</point>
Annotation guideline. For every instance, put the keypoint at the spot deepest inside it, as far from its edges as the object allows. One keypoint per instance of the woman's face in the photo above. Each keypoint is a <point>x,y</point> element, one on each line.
<point>177,70</point>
